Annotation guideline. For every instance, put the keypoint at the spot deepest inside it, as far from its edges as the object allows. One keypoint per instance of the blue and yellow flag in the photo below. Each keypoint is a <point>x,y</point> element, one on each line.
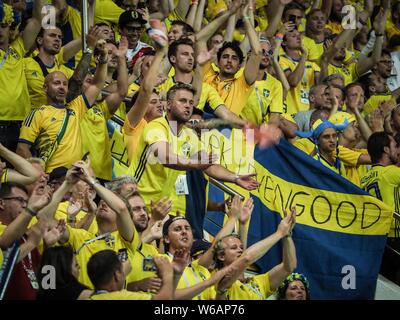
<point>341,230</point>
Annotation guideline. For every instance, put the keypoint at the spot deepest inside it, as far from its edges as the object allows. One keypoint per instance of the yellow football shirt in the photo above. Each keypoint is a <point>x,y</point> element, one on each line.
<point>42,126</point>
<point>61,214</point>
<point>154,179</point>
<point>254,288</point>
<point>121,295</point>
<point>297,98</point>
<point>341,170</point>
<point>95,139</point>
<point>234,92</point>
<point>137,273</point>
<point>350,157</point>
<point>35,79</point>
<point>106,11</point>
<point>132,136</point>
<point>314,50</point>
<point>305,144</point>
<point>14,95</point>
<point>349,72</point>
<point>266,97</point>
<point>334,27</point>
<point>84,245</point>
<point>373,102</point>
<point>384,183</point>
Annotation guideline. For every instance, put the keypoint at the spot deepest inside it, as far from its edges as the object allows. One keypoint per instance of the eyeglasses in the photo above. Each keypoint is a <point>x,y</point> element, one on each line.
<point>19,199</point>
<point>267,53</point>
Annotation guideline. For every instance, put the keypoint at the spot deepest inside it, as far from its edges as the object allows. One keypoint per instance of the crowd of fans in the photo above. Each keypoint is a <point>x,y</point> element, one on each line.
<point>106,147</point>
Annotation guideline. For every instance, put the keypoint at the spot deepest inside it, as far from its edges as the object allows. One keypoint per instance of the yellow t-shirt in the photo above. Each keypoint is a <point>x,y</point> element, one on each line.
<point>349,72</point>
<point>2,228</point>
<point>42,126</point>
<point>350,157</point>
<point>266,97</point>
<point>35,79</point>
<point>132,136</point>
<point>305,144</point>
<point>74,19</point>
<point>121,295</point>
<point>194,274</point>
<point>79,241</point>
<point>392,30</point>
<point>341,170</point>
<point>254,288</point>
<point>373,102</point>
<point>297,98</point>
<point>154,179</point>
<point>14,95</point>
<point>234,92</point>
<point>61,214</point>
<point>95,139</point>
<point>334,27</point>
<point>314,50</point>
<point>384,183</point>
<point>137,273</point>
<point>209,99</point>
<point>106,11</point>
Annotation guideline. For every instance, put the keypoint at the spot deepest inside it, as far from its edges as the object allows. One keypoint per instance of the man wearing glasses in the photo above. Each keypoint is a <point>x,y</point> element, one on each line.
<point>132,25</point>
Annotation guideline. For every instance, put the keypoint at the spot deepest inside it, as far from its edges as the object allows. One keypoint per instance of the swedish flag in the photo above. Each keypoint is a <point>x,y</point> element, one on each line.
<point>340,232</point>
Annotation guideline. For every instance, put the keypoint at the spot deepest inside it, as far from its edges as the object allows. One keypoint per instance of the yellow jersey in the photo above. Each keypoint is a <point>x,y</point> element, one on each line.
<point>61,214</point>
<point>334,27</point>
<point>137,273</point>
<point>132,136</point>
<point>349,72</point>
<point>305,144</point>
<point>234,92</point>
<point>121,295</point>
<point>43,125</point>
<point>154,179</point>
<point>298,97</point>
<point>85,244</point>
<point>350,157</point>
<point>384,183</point>
<point>106,11</point>
<point>35,79</point>
<point>266,97</point>
<point>341,170</point>
<point>374,101</point>
<point>209,99</point>
<point>314,50</point>
<point>95,139</point>
<point>14,95</point>
<point>253,288</point>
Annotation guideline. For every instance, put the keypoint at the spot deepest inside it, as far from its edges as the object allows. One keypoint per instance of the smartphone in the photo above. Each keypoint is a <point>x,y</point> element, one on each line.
<point>85,156</point>
<point>292,19</point>
<point>122,255</point>
<point>148,264</point>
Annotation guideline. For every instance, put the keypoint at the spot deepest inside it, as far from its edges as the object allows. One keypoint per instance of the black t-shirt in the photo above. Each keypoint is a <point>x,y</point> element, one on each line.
<point>68,292</point>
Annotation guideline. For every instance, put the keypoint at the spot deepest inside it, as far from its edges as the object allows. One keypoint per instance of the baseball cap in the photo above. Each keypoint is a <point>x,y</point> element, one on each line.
<point>130,16</point>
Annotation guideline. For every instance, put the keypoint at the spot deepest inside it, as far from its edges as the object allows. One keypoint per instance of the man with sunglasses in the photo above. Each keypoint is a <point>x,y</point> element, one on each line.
<point>132,25</point>
<point>265,102</point>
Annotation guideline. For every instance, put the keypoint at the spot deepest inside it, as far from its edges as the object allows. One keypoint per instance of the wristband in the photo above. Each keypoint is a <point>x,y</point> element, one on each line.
<point>88,50</point>
<point>31,212</point>
<point>278,38</point>
<point>279,35</point>
<point>105,61</point>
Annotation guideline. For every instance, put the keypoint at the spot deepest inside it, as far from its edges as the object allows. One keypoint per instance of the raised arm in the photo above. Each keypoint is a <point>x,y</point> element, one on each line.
<point>199,16</point>
<point>253,63</point>
<point>182,8</point>
<point>125,225</point>
<point>192,13</point>
<point>33,26</point>
<point>276,16</point>
<point>24,172</point>
<point>366,64</point>
<point>233,213</point>
<point>114,100</point>
<point>295,76</point>
<point>138,110</point>
<point>94,89</point>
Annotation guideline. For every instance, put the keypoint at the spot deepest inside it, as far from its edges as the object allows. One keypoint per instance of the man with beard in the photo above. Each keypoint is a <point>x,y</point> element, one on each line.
<point>51,57</point>
<point>383,182</point>
<point>181,55</point>
<point>55,127</point>
<point>167,148</point>
<point>265,102</point>
<point>140,279</point>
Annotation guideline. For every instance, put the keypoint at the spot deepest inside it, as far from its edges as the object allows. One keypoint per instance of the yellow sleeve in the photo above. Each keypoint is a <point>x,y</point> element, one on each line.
<point>263,282</point>
<point>79,105</point>
<point>30,128</point>
<point>277,98</point>
<point>18,45</point>
<point>285,64</point>
<point>348,156</point>
<point>315,67</point>
<point>394,175</point>
<point>77,237</point>
<point>155,132</point>
<point>74,19</point>
<point>210,98</point>
<point>107,11</point>
<point>131,131</point>
<point>4,176</point>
